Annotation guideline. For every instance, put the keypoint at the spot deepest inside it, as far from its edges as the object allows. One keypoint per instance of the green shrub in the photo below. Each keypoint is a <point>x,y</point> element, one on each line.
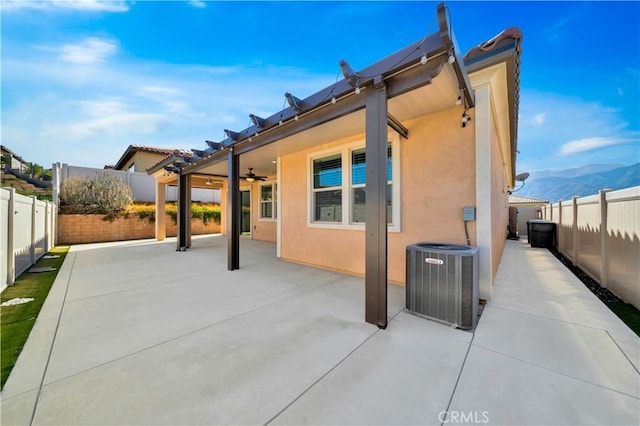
<point>206,212</point>
<point>100,194</point>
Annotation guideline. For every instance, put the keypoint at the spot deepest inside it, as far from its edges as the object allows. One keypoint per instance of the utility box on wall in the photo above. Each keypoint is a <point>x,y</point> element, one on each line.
<point>442,283</point>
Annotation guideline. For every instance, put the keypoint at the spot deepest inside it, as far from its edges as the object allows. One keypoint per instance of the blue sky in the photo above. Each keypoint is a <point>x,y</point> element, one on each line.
<point>84,79</point>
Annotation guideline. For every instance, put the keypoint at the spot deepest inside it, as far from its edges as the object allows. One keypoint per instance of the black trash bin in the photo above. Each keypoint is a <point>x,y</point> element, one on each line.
<point>541,233</point>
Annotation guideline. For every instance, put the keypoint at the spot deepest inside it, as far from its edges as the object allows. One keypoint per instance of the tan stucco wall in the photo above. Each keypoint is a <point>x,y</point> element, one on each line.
<point>143,160</point>
<point>261,229</point>
<point>499,202</point>
<point>437,180</point>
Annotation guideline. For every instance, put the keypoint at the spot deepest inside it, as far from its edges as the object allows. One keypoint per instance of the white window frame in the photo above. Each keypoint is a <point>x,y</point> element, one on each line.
<point>274,211</point>
<point>345,151</point>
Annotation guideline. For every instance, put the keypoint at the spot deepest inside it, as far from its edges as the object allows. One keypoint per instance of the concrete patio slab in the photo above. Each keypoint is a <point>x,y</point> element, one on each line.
<point>585,353</point>
<point>236,372</point>
<point>507,391</point>
<point>403,375</point>
<point>141,334</point>
<point>629,345</point>
<point>532,280</point>
<point>18,409</point>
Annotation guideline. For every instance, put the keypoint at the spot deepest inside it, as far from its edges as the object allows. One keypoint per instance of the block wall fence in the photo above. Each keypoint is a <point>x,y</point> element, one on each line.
<point>80,229</point>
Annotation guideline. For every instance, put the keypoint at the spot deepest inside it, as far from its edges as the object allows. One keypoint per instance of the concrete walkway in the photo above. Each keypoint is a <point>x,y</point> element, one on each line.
<point>137,333</point>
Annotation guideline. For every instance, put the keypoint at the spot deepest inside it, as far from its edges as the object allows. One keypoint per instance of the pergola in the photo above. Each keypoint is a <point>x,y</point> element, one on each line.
<point>381,95</point>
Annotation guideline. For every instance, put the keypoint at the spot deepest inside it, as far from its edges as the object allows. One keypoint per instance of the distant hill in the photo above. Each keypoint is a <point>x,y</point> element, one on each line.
<point>578,171</point>
<point>23,187</point>
<point>556,185</point>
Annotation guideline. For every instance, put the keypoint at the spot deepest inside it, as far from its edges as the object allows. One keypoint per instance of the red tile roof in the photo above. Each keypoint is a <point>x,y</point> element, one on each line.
<point>522,200</point>
<point>132,149</point>
<point>510,34</point>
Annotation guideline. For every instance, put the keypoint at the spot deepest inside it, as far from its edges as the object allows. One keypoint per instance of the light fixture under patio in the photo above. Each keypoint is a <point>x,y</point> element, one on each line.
<point>465,118</point>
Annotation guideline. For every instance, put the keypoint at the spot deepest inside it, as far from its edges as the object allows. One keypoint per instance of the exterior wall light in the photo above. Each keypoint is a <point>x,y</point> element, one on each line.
<point>465,118</point>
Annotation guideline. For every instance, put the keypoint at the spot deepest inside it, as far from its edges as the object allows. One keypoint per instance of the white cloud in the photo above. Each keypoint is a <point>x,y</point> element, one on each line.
<point>90,51</point>
<point>78,5</point>
<point>538,119</point>
<point>588,144</point>
<point>198,4</point>
<point>575,132</point>
<point>57,111</point>
<point>129,124</point>
<point>153,91</point>
<point>554,34</point>
<point>102,107</point>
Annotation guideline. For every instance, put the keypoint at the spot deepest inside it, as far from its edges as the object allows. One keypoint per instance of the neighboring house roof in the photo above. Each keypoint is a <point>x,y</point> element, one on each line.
<point>175,155</point>
<point>133,149</point>
<point>504,47</point>
<point>8,151</point>
<point>526,201</point>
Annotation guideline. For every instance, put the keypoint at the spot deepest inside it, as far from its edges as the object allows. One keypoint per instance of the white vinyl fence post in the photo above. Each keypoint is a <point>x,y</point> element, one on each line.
<point>47,226</point>
<point>11,258</point>
<point>604,255</point>
<point>559,229</point>
<point>574,231</point>
<point>32,246</point>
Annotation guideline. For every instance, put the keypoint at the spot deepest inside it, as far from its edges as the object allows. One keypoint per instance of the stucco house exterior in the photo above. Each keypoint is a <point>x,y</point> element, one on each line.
<point>525,209</point>
<point>426,131</point>
<point>139,158</point>
<point>14,161</point>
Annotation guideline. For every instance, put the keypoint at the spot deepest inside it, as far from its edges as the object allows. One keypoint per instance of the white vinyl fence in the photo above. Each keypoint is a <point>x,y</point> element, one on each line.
<point>600,234</point>
<point>142,185</point>
<point>27,230</point>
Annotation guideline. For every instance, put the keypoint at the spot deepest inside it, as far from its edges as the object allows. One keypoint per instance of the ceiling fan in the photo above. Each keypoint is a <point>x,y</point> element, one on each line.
<point>251,177</point>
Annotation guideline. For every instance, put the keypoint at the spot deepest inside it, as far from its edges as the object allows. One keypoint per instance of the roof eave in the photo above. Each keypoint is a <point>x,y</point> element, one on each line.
<point>125,157</point>
<point>507,54</point>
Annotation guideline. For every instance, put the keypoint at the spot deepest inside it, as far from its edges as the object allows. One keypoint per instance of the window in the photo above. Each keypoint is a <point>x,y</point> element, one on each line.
<point>327,189</point>
<point>268,202</point>
<point>337,194</point>
<point>358,190</point>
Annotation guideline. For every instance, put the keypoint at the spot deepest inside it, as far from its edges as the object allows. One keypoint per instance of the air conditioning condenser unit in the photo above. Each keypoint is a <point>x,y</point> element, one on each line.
<point>442,283</point>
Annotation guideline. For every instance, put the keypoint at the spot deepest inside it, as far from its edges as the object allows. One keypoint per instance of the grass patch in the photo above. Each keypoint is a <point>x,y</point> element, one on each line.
<point>17,321</point>
<point>627,313</point>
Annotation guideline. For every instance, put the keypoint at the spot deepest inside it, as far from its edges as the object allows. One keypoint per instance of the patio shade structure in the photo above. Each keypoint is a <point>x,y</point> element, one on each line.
<point>394,80</point>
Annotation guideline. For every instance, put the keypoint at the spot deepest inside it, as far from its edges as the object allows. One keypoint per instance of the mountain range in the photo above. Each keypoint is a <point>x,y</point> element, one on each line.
<point>557,185</point>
